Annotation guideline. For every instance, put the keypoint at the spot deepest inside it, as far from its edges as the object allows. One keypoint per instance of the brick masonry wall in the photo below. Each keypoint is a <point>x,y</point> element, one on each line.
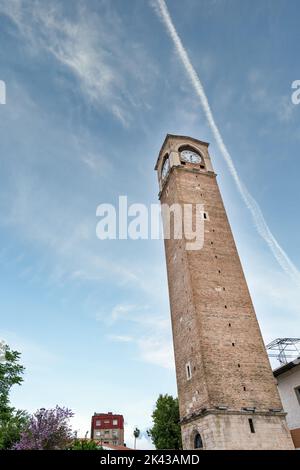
<point>214,325</point>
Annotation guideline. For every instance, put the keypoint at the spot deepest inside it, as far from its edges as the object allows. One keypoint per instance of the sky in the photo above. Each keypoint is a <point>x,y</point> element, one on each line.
<point>92,88</point>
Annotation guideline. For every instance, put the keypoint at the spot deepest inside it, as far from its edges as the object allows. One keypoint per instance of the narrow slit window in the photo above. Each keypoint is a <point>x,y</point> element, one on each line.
<point>188,371</point>
<point>297,391</point>
<point>251,424</point>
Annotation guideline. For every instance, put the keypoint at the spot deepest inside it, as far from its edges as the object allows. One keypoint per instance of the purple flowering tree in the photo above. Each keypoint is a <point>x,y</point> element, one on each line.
<point>47,430</point>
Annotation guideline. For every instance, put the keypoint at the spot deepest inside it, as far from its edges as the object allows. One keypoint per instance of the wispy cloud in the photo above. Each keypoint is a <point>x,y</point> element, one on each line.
<point>257,215</point>
<point>266,100</point>
<point>35,356</point>
<point>153,333</point>
<point>157,350</point>
<point>68,247</point>
<point>88,46</point>
<point>121,311</point>
<point>121,338</point>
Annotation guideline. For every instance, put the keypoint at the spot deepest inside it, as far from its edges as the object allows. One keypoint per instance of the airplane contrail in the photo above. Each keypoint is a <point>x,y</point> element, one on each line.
<point>257,215</point>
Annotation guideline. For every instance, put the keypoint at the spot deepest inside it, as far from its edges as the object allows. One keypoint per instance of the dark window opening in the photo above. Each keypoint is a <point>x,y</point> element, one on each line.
<point>198,444</point>
<point>217,258</point>
<point>244,389</point>
<point>225,306</point>
<point>229,324</point>
<point>204,215</point>
<point>239,365</point>
<point>188,371</point>
<point>251,425</point>
<point>232,344</point>
<point>219,269</point>
<point>297,390</point>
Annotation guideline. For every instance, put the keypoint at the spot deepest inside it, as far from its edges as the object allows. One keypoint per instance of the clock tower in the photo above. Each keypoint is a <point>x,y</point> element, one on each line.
<point>227,393</point>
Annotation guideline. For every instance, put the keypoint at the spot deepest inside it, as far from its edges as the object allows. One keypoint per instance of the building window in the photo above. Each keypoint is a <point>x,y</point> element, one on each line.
<point>297,391</point>
<point>251,425</point>
<point>198,444</point>
<point>115,422</point>
<point>106,421</point>
<point>98,433</point>
<point>98,422</point>
<point>106,432</point>
<point>165,167</point>
<point>188,371</point>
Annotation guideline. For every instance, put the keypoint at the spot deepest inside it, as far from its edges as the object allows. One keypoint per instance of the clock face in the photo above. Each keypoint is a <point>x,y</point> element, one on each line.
<point>190,156</point>
<point>165,168</point>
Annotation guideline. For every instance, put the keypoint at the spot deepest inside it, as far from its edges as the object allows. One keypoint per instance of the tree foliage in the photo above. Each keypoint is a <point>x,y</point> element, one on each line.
<point>12,421</point>
<point>47,430</point>
<point>136,434</point>
<point>165,433</point>
<point>84,444</point>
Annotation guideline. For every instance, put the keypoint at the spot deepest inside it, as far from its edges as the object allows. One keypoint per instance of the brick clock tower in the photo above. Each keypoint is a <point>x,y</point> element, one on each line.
<point>227,393</point>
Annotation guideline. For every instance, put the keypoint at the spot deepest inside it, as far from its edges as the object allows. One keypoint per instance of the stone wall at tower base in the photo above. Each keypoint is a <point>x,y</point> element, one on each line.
<point>228,431</point>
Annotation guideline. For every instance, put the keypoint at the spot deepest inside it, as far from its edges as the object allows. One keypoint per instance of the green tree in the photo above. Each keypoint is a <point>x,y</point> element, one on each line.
<point>12,421</point>
<point>136,434</point>
<point>165,433</point>
<point>85,444</point>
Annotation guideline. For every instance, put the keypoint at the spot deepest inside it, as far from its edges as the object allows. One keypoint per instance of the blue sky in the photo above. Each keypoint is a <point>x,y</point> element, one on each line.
<point>92,89</point>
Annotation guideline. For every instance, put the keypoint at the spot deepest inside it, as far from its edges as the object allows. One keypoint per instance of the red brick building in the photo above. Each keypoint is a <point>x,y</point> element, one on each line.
<point>108,428</point>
